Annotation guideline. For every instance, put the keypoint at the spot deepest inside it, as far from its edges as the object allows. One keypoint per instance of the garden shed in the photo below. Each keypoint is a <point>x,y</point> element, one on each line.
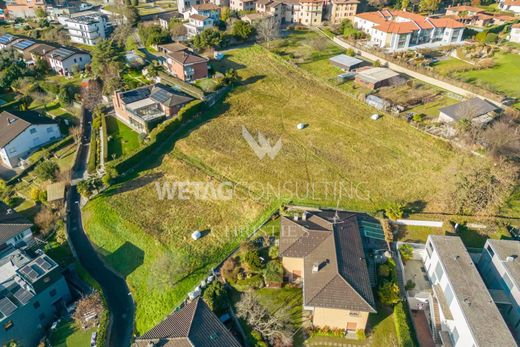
<point>345,62</point>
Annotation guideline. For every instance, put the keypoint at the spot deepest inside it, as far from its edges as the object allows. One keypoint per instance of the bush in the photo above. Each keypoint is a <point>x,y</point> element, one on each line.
<point>481,36</point>
<point>360,334</point>
<point>402,326</point>
<point>388,293</point>
<point>409,285</point>
<point>406,252</point>
<point>230,270</point>
<point>273,272</point>
<point>383,270</point>
<point>252,260</point>
<point>216,296</point>
<point>47,170</point>
<point>418,117</point>
<point>491,38</point>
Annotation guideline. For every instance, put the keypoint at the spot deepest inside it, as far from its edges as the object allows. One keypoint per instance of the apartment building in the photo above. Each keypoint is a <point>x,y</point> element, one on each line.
<point>343,9</point>
<point>242,5</point>
<point>499,266</point>
<point>23,8</point>
<point>88,29</point>
<point>324,250</point>
<point>143,108</point>
<point>467,314</point>
<point>32,295</point>
<point>399,30</point>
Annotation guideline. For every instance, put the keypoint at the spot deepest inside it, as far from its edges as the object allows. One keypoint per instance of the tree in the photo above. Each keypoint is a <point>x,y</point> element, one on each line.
<point>387,231</point>
<point>230,269</point>
<point>429,5</point>
<point>395,211</point>
<point>267,30</point>
<point>91,94</point>
<point>406,252</point>
<point>502,139</point>
<point>388,293</point>
<point>154,68</point>
<point>40,13</point>
<point>107,63</point>
<point>273,272</point>
<point>242,30</point>
<point>44,220</point>
<point>216,296</point>
<point>177,29</point>
<point>225,14</point>
<point>276,328</point>
<point>47,170</point>
<point>88,306</point>
<point>209,38</point>
<point>405,4</point>
<point>66,93</point>
<point>152,34</point>
<point>109,176</point>
<point>38,195</point>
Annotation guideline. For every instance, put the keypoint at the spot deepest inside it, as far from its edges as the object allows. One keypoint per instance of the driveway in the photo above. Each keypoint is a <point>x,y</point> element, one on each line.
<point>115,290</point>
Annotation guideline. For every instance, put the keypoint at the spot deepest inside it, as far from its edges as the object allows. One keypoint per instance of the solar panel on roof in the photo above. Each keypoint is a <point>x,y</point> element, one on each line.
<point>6,38</point>
<point>29,272</point>
<point>161,95</point>
<point>24,44</point>
<point>7,307</point>
<point>23,296</point>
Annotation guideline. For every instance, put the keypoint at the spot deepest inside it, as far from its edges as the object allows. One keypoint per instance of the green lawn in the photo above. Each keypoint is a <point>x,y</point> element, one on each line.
<point>369,163</point>
<point>431,109</point>
<point>449,65</point>
<point>122,139</point>
<point>67,335</point>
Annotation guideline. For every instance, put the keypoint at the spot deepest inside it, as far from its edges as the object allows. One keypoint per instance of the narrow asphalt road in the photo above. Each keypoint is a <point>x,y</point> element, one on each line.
<point>115,289</point>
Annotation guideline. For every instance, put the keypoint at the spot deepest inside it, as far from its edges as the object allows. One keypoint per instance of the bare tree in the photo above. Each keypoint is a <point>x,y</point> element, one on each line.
<point>44,219</point>
<point>267,30</point>
<point>177,30</point>
<point>276,328</point>
<point>87,311</point>
<point>91,94</point>
<point>387,231</point>
<point>76,133</point>
<point>503,139</point>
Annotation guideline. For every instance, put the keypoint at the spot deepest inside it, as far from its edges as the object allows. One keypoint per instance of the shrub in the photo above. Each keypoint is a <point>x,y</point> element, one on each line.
<point>491,38</point>
<point>481,36</point>
<point>418,117</point>
<point>383,270</point>
<point>406,252</point>
<point>273,272</point>
<point>402,327</point>
<point>409,285</point>
<point>388,293</point>
<point>216,296</point>
<point>47,170</point>
<point>230,270</point>
<point>273,252</point>
<point>360,334</point>
<point>252,260</point>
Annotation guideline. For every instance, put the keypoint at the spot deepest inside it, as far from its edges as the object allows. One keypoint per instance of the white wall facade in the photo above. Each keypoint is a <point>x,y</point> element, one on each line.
<point>64,67</point>
<point>515,35</point>
<point>28,141</point>
<point>87,34</point>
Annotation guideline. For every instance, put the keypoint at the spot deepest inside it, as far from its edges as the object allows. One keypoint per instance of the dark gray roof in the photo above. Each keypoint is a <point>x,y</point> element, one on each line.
<point>333,242</point>
<point>11,223</point>
<point>508,252</point>
<point>345,60</point>
<point>12,125</point>
<point>480,312</point>
<point>168,96</point>
<point>193,325</point>
<point>468,109</point>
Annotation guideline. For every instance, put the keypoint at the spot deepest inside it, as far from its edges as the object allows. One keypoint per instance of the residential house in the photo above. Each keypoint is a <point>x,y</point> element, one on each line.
<point>463,10</point>
<point>209,10</point>
<point>270,8</point>
<point>40,50</point>
<point>324,250</point>
<point>476,110</point>
<point>23,8</point>
<point>23,47</point>
<point>193,325</point>
<point>466,314</point>
<point>87,29</point>
<point>15,229</point>
<point>65,60</point>
<point>197,24</point>
<point>509,5</point>
<point>343,9</point>
<point>6,40</point>
<point>242,5</point>
<point>186,65</point>
<point>377,77</point>
<point>143,108</point>
<point>23,133</point>
<point>399,30</point>
<point>345,62</point>
<point>165,18</point>
<point>185,5</point>
<point>32,295</point>
<point>470,15</point>
<point>309,12</point>
<point>172,47</point>
<point>503,19</point>
<point>499,266</point>
<point>514,36</point>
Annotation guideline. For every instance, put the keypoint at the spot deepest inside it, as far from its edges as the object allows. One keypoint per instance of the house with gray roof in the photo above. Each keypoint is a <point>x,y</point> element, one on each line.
<point>476,110</point>
<point>194,325</point>
<point>466,312</point>
<point>143,108</point>
<point>15,229</point>
<point>22,133</point>
<point>324,250</point>
<point>345,62</point>
<point>499,265</point>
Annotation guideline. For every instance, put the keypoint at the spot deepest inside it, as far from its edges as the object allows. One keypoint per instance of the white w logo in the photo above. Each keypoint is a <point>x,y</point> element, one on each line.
<point>262,147</point>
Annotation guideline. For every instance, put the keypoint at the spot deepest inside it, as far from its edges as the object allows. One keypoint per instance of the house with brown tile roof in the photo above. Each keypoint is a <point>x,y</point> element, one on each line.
<point>194,325</point>
<point>400,30</point>
<point>509,5</point>
<point>324,250</point>
<point>187,65</point>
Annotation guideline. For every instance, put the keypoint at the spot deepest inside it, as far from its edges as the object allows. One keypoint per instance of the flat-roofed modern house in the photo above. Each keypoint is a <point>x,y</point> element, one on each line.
<point>23,133</point>
<point>194,325</point>
<point>6,40</point>
<point>400,30</point>
<point>345,62</point>
<point>324,249</point>
<point>33,292</point>
<point>15,229</point>
<point>88,29</point>
<point>143,108</point>
<point>62,60</point>
<point>476,110</point>
<point>499,266</point>
<point>466,312</point>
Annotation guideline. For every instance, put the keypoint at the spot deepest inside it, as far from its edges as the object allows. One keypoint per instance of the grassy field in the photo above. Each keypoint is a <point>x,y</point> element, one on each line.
<point>123,140</point>
<point>342,158</point>
<point>67,335</point>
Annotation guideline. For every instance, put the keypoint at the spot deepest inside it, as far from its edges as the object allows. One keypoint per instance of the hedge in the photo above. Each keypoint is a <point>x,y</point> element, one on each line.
<point>160,134</point>
<point>402,328</point>
<point>105,138</point>
<point>92,154</point>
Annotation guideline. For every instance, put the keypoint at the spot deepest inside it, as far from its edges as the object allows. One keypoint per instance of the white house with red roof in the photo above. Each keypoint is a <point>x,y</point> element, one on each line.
<point>509,5</point>
<point>399,30</point>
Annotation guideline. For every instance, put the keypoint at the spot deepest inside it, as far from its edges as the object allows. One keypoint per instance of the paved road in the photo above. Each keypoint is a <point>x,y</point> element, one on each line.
<point>115,289</point>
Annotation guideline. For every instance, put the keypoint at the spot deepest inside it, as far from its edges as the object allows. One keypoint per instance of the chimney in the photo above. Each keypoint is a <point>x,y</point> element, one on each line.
<point>315,267</point>
<point>510,258</point>
<point>304,216</point>
<point>295,217</point>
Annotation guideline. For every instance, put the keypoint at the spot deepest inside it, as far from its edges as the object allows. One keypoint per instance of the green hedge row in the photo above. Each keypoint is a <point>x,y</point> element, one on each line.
<point>105,137</point>
<point>158,135</point>
<point>92,155</point>
<point>402,327</point>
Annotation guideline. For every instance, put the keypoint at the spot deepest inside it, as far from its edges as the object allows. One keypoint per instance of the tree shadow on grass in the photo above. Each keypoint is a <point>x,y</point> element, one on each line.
<point>134,184</point>
<point>126,259</point>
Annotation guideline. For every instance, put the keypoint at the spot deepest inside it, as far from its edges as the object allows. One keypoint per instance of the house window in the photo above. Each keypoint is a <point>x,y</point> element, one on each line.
<point>351,326</point>
<point>36,305</point>
<point>8,325</point>
<point>454,336</point>
<point>490,251</point>
<point>448,293</point>
<point>438,271</point>
<point>32,131</point>
<point>53,293</point>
